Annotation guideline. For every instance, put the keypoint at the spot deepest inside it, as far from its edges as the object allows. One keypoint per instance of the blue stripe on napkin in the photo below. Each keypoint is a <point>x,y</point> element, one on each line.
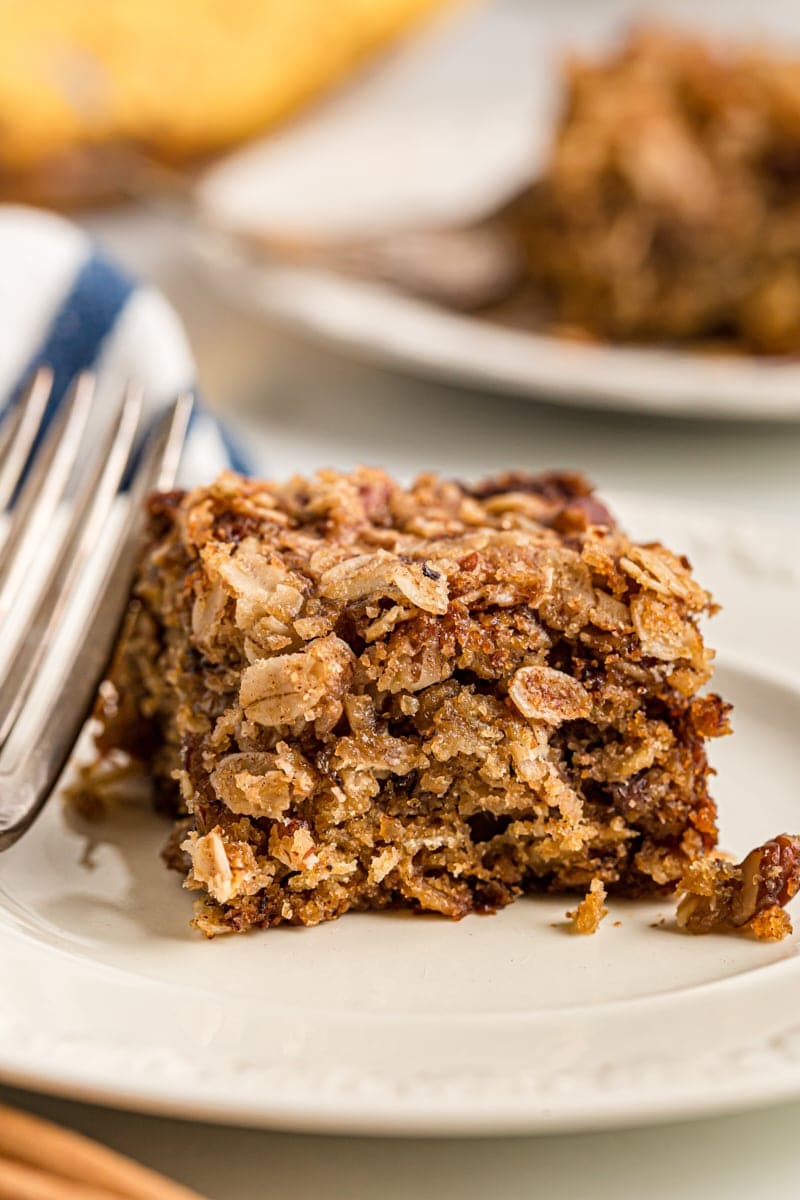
<point>104,319</point>
<point>239,459</point>
<point>85,318</point>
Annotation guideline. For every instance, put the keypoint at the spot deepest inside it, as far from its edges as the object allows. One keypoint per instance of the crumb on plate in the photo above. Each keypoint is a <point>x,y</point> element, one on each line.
<point>590,912</point>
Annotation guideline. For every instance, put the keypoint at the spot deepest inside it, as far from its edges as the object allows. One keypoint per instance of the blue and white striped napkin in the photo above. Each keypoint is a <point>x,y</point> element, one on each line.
<point>63,303</point>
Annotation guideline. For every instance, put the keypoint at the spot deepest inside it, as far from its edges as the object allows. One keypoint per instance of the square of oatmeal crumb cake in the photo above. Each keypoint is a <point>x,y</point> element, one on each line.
<point>357,695</point>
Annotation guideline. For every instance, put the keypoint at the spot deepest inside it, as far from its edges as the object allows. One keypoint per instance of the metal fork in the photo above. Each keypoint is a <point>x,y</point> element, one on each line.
<point>50,669</point>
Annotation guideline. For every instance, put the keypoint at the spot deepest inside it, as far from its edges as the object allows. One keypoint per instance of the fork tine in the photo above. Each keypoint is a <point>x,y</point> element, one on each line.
<point>89,515</point>
<point>19,431</point>
<point>9,422</point>
<point>27,779</point>
<point>42,491</point>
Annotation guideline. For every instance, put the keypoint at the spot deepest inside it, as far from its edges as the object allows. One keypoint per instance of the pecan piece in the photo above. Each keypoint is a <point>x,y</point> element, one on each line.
<point>717,894</point>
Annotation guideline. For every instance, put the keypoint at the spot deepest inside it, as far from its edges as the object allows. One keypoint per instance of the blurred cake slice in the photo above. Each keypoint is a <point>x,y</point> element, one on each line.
<point>668,209</point>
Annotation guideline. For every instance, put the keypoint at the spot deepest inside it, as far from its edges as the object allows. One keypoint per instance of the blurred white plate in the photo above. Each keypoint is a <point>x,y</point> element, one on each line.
<point>386,1023</point>
<point>438,133</point>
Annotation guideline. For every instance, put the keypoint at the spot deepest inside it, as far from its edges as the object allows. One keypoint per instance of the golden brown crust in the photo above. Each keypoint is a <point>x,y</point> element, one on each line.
<point>436,697</point>
<point>76,76</point>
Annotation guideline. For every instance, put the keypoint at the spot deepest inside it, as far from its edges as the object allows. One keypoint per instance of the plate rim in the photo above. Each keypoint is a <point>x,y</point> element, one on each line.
<point>381,325</point>
<point>765,1067</point>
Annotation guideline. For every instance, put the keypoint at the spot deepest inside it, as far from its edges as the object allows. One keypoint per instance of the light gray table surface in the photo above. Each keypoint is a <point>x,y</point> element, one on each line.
<point>303,406</point>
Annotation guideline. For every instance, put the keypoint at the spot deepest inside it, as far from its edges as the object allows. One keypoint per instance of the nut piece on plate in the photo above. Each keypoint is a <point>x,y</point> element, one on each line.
<point>357,695</point>
<point>717,894</point>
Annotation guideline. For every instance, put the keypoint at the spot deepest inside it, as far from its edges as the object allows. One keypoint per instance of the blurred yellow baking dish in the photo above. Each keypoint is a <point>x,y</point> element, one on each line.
<point>182,77</point>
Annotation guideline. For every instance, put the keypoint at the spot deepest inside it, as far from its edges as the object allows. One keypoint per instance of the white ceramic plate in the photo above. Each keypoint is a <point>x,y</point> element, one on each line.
<point>394,1024</point>
<point>436,134</point>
